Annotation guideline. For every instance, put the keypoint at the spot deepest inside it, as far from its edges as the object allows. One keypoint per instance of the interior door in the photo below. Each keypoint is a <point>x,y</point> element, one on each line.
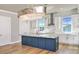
<point>5,30</point>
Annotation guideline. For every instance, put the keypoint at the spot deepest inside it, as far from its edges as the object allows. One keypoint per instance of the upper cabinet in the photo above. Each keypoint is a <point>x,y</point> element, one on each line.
<point>24,27</point>
<point>33,24</point>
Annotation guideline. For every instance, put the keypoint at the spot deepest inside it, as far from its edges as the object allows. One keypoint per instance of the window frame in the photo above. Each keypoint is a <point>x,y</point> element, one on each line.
<point>40,27</point>
<point>67,24</point>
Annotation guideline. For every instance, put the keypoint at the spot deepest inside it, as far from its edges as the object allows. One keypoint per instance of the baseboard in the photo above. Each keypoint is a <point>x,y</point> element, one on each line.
<point>69,44</point>
<point>14,42</point>
<point>11,43</point>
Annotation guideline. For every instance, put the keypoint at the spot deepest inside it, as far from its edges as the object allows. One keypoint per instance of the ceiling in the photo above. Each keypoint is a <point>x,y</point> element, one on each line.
<point>51,7</point>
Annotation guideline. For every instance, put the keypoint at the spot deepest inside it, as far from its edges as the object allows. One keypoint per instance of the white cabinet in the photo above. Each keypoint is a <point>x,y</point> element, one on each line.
<point>66,39</point>
<point>27,27</point>
<point>76,40</point>
<point>33,24</point>
<point>62,39</point>
<point>24,27</point>
<point>73,39</point>
<point>69,39</point>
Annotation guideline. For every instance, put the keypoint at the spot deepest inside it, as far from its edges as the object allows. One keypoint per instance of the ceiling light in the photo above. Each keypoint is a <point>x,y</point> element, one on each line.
<point>39,9</point>
<point>30,17</point>
<point>31,13</point>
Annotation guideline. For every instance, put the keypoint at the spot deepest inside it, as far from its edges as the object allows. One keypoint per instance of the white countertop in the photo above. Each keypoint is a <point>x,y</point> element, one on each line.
<point>41,35</point>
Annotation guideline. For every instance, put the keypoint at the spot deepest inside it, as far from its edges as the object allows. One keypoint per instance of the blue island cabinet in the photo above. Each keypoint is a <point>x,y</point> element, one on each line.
<point>41,42</point>
<point>34,42</point>
<point>51,45</point>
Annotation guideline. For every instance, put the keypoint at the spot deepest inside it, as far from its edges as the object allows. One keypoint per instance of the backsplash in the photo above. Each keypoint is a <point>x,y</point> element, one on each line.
<point>49,29</point>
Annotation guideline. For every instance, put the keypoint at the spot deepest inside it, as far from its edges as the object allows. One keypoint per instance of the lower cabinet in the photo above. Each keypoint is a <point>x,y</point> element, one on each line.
<point>34,42</point>
<point>40,42</point>
<point>51,45</point>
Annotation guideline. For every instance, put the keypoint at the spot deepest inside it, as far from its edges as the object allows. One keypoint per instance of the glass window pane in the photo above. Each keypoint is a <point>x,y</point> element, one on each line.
<point>67,28</point>
<point>66,24</point>
<point>41,24</point>
<point>67,20</point>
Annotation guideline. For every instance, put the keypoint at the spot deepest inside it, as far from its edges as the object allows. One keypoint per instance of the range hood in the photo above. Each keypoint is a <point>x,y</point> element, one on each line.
<point>51,22</point>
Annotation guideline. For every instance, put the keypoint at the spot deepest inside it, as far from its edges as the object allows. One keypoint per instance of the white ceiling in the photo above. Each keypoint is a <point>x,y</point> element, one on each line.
<point>61,7</point>
<point>51,7</point>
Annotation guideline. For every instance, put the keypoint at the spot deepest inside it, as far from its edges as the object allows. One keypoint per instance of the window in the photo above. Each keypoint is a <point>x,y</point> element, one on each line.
<point>41,24</point>
<point>67,24</point>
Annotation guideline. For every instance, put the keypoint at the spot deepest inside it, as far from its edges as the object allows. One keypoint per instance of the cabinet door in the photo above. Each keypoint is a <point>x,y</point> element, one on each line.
<point>70,40</point>
<point>41,43</point>
<point>30,41</point>
<point>24,27</point>
<point>27,40</point>
<point>34,41</point>
<point>33,24</point>
<point>62,39</point>
<point>23,40</point>
<point>51,44</point>
<point>76,40</point>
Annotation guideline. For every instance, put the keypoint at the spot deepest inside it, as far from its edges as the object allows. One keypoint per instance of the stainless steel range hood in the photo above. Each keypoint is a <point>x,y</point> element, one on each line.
<point>51,19</point>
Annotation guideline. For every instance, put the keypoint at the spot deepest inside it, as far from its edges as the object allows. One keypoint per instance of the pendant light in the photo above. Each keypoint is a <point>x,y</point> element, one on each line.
<point>30,13</point>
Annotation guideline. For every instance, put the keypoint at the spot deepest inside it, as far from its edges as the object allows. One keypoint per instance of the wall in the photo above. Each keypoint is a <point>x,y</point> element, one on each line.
<point>14,24</point>
<point>72,38</point>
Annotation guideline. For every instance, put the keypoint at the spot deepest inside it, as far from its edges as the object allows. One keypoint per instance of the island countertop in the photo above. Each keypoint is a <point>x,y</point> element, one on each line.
<point>41,35</point>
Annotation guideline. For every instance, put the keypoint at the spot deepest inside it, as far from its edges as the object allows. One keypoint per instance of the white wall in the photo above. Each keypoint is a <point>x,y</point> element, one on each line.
<point>68,38</point>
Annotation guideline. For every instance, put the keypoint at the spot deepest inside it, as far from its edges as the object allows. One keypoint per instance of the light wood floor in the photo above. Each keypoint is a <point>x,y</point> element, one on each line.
<point>23,49</point>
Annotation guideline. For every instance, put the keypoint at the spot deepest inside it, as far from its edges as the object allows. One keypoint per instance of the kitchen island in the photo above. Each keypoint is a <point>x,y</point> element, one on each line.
<point>48,43</point>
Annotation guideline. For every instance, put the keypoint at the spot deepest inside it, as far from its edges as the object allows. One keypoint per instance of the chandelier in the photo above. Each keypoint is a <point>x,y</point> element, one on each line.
<point>31,13</point>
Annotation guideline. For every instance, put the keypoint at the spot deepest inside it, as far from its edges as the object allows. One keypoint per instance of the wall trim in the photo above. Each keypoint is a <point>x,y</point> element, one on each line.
<point>11,43</point>
<point>14,42</point>
<point>8,12</point>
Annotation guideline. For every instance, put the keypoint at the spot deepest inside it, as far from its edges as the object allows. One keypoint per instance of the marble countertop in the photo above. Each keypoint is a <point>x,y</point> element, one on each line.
<point>41,35</point>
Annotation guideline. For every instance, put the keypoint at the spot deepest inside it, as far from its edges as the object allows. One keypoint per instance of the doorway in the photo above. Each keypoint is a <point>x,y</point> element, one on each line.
<point>5,30</point>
